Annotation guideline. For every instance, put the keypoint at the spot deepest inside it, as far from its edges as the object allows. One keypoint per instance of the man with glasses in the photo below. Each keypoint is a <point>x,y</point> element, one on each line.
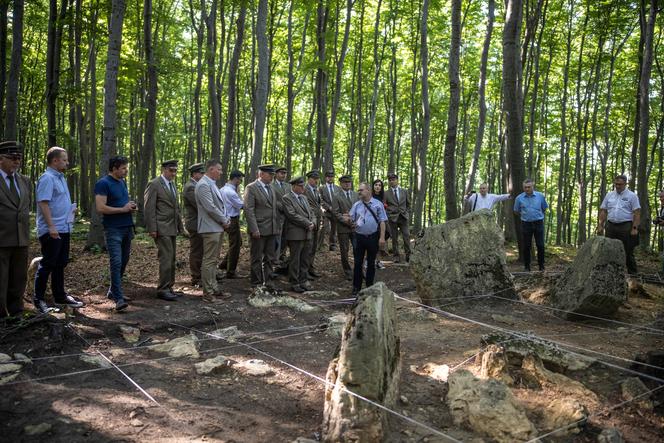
<point>112,201</point>
<point>14,229</point>
<point>163,224</point>
<point>619,217</point>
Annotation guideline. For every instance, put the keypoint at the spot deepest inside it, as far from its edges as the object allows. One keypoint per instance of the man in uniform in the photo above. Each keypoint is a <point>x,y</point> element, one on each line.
<point>314,200</point>
<point>212,220</point>
<point>161,213</point>
<point>281,188</point>
<point>233,203</point>
<point>397,200</point>
<point>14,229</point>
<point>620,215</point>
<point>343,201</point>
<point>300,224</point>
<point>531,207</point>
<point>196,171</point>
<point>261,212</point>
<point>327,192</point>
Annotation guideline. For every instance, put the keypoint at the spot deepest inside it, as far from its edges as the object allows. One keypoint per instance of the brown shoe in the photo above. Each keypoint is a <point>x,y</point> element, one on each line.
<point>208,298</point>
<point>223,294</point>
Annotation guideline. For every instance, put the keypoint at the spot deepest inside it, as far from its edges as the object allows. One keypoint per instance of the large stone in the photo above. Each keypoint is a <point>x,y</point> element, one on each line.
<point>533,370</point>
<point>368,363</point>
<point>595,283</point>
<point>564,415</point>
<point>494,364</point>
<point>487,407</point>
<point>213,365</point>
<point>186,346</point>
<point>461,258</point>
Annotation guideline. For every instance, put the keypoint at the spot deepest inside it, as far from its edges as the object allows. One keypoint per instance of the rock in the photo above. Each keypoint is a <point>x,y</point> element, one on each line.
<point>650,363</point>
<point>416,313</point>
<point>494,364</point>
<point>9,367</point>
<point>323,295</point>
<point>212,365</point>
<point>563,412</point>
<point>487,407</point>
<point>638,393</point>
<point>255,368</point>
<point>610,435</point>
<point>37,429</point>
<point>404,399</point>
<point>130,334</point>
<point>136,423</point>
<point>437,372</point>
<point>503,319</point>
<point>186,346</point>
<point>335,325</point>
<point>96,360</point>
<point>517,348</point>
<point>533,369</point>
<point>304,440</point>
<point>4,358</point>
<point>368,363</point>
<point>229,334</point>
<point>265,297</point>
<point>22,358</point>
<point>595,283</point>
<point>463,257</point>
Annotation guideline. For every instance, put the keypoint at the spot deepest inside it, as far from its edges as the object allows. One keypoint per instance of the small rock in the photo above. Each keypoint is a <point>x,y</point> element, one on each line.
<point>22,358</point>
<point>136,423</point>
<point>229,334</point>
<point>130,334</point>
<point>404,399</point>
<point>325,295</point>
<point>212,365</point>
<point>265,297</point>
<point>96,360</point>
<point>437,372</point>
<point>503,319</point>
<point>180,347</point>
<point>634,390</point>
<point>610,435</point>
<point>255,368</point>
<point>136,412</point>
<point>37,429</point>
<point>9,367</point>
<point>4,358</point>
<point>494,364</point>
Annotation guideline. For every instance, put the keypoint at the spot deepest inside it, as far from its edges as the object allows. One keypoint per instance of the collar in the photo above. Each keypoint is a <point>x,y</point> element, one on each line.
<point>295,194</point>
<point>54,172</point>
<point>4,174</point>
<point>231,185</point>
<point>165,179</point>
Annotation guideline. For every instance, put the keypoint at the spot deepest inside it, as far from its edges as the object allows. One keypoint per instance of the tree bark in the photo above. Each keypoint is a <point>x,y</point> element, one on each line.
<point>213,98</point>
<point>261,86</point>
<point>53,55</point>
<point>11,116</point>
<point>426,116</point>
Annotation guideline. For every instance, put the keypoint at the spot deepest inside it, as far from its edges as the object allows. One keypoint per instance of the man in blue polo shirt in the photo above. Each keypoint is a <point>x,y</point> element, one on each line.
<point>112,201</point>
<point>531,206</point>
<point>367,217</point>
<point>54,222</point>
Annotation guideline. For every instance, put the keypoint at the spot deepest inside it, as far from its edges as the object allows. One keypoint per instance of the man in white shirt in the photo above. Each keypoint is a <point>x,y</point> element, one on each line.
<point>620,215</point>
<point>233,203</point>
<point>483,200</point>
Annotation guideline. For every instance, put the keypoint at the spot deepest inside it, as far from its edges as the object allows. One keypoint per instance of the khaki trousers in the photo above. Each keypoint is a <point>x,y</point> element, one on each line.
<point>166,256</point>
<point>211,250</point>
<point>229,262</point>
<point>345,240</point>
<point>298,267</point>
<point>263,251</point>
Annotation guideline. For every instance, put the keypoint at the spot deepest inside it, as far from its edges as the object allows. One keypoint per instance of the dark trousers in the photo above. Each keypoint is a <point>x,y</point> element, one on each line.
<point>195,255</point>
<point>298,266</point>
<point>166,245</point>
<point>622,232</point>
<point>313,247</point>
<point>400,225</point>
<point>345,242</point>
<point>365,245</point>
<point>229,262</point>
<point>55,256</point>
<point>530,230</point>
<point>330,229</point>
<point>118,245</point>
<point>262,257</point>
<point>13,278</point>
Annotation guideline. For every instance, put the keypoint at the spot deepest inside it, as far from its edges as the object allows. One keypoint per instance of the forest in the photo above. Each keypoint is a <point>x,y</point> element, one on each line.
<point>448,94</point>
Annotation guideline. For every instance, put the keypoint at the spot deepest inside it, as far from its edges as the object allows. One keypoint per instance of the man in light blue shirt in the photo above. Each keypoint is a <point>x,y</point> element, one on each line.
<point>233,203</point>
<point>367,217</point>
<point>531,206</point>
<point>54,221</point>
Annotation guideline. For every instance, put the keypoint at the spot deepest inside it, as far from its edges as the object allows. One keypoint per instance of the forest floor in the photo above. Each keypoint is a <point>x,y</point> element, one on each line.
<point>61,398</point>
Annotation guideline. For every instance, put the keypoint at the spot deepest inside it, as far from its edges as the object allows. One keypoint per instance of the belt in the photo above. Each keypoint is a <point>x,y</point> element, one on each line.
<point>619,223</point>
<point>235,216</point>
<point>366,235</point>
<point>533,221</point>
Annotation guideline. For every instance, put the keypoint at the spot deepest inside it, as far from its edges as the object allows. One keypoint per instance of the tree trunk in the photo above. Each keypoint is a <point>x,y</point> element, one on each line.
<point>200,35</point>
<point>426,116</point>
<point>4,6</point>
<point>322,13</point>
<point>261,85</point>
<point>213,98</point>
<point>11,116</point>
<point>53,51</point>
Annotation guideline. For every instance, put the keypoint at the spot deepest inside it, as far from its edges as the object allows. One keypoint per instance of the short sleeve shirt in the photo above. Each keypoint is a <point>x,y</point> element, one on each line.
<point>531,207</point>
<point>116,197</point>
<point>52,188</point>
<point>620,207</point>
<point>364,221</point>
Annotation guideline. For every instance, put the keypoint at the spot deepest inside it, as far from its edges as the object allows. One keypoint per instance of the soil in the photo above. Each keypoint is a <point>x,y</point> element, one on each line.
<point>78,401</point>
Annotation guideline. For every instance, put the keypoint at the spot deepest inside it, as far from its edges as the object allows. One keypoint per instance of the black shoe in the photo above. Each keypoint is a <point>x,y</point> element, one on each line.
<point>43,308</point>
<point>314,274</point>
<point>109,296</point>
<point>527,269</point>
<point>396,259</point>
<point>168,296</point>
<point>70,302</point>
<point>541,268</point>
<point>121,305</point>
<point>298,289</point>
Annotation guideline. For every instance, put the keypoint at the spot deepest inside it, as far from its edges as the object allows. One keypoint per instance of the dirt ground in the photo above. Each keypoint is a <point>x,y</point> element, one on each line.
<point>74,400</point>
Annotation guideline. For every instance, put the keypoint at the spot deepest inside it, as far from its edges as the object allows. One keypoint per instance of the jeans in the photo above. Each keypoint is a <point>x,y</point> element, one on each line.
<point>530,229</point>
<point>365,245</point>
<point>55,256</point>
<point>118,244</point>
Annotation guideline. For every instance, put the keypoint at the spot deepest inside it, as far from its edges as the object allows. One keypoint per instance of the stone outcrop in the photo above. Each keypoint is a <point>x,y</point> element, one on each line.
<point>463,257</point>
<point>595,283</point>
<point>186,346</point>
<point>367,363</point>
<point>494,364</point>
<point>487,407</point>
<point>564,415</point>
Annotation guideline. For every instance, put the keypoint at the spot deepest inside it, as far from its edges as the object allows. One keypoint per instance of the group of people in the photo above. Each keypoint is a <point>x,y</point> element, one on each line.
<point>288,221</point>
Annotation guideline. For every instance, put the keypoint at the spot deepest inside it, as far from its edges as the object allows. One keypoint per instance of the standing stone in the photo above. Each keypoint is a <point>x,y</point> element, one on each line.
<point>368,363</point>
<point>461,258</point>
<point>595,283</point>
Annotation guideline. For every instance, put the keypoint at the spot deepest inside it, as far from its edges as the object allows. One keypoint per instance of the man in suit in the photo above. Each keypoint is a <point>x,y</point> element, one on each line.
<point>263,222</point>
<point>300,224</point>
<point>196,171</point>
<point>281,188</point>
<point>14,229</point>
<point>212,220</point>
<point>327,192</point>
<point>397,200</point>
<point>314,200</point>
<point>161,213</point>
<point>343,201</point>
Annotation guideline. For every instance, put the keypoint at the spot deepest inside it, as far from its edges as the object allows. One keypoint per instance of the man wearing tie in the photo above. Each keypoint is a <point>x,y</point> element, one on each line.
<point>161,213</point>
<point>300,224</point>
<point>196,171</point>
<point>314,200</point>
<point>14,229</point>
<point>281,188</point>
<point>263,222</point>
<point>344,200</point>
<point>327,193</point>
<point>398,212</point>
